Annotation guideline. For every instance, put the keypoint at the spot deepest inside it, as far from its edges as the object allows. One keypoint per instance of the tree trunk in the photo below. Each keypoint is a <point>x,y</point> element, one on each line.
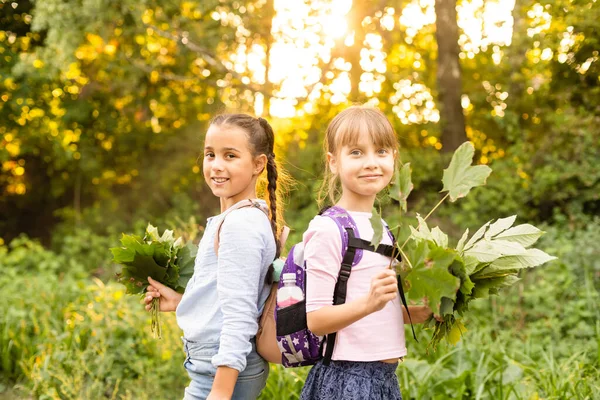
<point>77,197</point>
<point>356,15</point>
<point>452,119</point>
<point>269,13</point>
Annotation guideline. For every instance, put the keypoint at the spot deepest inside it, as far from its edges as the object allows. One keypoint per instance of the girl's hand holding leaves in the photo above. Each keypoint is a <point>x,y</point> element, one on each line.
<point>168,261</point>
<point>168,298</point>
<point>449,278</point>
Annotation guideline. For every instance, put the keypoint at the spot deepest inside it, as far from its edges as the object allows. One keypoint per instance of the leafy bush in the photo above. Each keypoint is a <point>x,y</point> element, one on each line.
<point>27,256</point>
<point>71,339</point>
<point>65,336</point>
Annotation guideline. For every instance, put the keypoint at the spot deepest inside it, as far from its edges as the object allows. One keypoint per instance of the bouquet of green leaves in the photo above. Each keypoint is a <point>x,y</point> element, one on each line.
<point>163,258</point>
<point>449,278</point>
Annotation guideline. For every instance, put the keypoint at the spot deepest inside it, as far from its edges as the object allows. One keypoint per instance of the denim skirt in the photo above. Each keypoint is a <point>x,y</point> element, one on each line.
<point>352,380</point>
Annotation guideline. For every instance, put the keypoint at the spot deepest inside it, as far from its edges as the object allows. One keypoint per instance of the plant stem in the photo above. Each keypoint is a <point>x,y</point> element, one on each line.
<point>425,219</point>
<point>394,253</point>
<point>436,206</point>
<point>155,311</point>
<point>405,257</point>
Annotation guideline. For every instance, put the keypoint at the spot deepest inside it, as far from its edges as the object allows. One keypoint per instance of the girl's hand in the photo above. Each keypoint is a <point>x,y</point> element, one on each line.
<point>419,314</point>
<point>384,287</point>
<point>168,298</point>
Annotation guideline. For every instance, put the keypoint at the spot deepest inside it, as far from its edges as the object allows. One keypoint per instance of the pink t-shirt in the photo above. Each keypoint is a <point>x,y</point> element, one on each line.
<point>378,336</point>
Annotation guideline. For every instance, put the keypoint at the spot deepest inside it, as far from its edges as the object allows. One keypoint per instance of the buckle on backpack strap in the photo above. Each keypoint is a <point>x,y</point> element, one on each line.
<point>345,271</point>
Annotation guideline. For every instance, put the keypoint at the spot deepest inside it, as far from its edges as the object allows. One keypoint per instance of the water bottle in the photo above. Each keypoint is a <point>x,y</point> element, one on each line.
<point>290,293</point>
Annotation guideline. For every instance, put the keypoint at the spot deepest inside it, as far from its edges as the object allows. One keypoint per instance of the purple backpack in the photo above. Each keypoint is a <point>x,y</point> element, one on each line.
<point>298,345</point>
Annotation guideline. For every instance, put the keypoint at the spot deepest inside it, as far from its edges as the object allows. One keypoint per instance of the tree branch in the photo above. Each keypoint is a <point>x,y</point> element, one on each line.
<point>205,54</point>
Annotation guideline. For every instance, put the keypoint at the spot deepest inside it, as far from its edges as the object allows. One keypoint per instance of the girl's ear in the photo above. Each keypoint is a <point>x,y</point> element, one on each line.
<point>260,162</point>
<point>332,162</point>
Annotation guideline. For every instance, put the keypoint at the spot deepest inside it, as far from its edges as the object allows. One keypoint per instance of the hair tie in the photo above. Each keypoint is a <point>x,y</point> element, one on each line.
<point>273,156</point>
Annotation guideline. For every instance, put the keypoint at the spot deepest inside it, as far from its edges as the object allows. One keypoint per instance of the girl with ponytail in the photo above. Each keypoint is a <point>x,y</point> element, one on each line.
<point>224,299</point>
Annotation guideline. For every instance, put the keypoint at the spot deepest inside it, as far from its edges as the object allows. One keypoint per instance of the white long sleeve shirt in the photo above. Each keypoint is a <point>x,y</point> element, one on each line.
<point>226,294</point>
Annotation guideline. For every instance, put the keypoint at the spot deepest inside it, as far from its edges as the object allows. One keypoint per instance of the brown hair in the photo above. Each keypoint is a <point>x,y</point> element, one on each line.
<point>262,140</point>
<point>344,130</point>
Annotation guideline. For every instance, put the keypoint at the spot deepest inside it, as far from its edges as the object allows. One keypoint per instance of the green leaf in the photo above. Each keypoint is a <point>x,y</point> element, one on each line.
<point>458,269</point>
<point>167,237</point>
<point>422,231</point>
<point>178,244</point>
<point>525,234</point>
<point>470,264</point>
<point>152,233</point>
<point>490,250</point>
<point>134,274</point>
<point>500,225</point>
<point>377,225</point>
<point>483,286</point>
<point>416,251</point>
<point>478,267</point>
<point>483,251</point>
<point>506,248</point>
<point>145,266</point>
<point>489,274</point>
<point>136,244</point>
<point>431,279</point>
<point>461,243</point>
<point>447,306</point>
<point>439,237</point>
<point>162,254</point>
<point>531,258</point>
<point>456,332</point>
<point>460,177</point>
<point>477,235</point>
<point>186,259</point>
<point>402,186</point>
<point>122,255</point>
<point>164,259</point>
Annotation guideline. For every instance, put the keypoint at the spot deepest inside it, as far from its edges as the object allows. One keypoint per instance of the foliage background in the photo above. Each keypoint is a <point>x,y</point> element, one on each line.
<point>102,109</point>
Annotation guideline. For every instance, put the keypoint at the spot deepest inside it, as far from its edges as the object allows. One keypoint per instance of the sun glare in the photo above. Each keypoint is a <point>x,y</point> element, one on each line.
<point>305,33</point>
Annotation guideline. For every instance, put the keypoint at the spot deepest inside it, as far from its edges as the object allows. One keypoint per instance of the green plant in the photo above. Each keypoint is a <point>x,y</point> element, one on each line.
<point>163,258</point>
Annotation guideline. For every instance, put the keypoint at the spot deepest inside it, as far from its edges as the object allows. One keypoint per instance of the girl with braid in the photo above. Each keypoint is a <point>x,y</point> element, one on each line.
<point>224,299</point>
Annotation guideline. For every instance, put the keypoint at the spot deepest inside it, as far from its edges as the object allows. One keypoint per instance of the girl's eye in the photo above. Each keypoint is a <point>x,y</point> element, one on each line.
<point>355,152</point>
<point>209,154</point>
<point>382,151</point>
<point>229,155</point>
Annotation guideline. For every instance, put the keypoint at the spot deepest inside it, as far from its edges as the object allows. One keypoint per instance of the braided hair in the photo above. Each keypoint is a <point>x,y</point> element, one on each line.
<point>262,140</point>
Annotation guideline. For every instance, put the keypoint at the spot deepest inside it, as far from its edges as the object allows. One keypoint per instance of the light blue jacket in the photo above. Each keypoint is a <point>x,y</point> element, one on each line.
<point>224,298</point>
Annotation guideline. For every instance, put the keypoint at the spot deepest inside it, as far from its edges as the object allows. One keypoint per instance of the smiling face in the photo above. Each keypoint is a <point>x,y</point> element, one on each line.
<point>364,169</point>
<point>361,148</point>
<point>229,167</point>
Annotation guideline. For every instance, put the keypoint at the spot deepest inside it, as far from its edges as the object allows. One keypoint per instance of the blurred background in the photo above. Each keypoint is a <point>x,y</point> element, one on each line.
<point>103,106</point>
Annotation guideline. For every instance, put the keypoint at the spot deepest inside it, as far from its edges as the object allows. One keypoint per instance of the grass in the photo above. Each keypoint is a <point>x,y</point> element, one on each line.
<point>67,337</point>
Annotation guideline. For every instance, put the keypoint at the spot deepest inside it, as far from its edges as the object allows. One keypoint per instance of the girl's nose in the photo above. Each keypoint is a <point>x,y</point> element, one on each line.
<point>371,161</point>
<point>217,164</point>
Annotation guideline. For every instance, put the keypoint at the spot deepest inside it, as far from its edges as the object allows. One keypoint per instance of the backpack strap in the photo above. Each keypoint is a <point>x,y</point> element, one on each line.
<point>388,251</point>
<point>383,249</point>
<point>283,236</point>
<point>242,204</point>
<point>352,251</point>
<point>343,220</point>
<point>400,288</point>
<point>351,256</point>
